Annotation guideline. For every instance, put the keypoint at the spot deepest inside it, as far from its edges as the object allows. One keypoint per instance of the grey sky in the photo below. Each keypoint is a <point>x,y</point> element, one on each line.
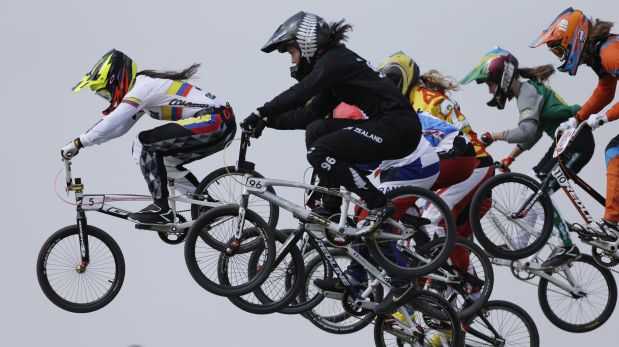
<point>47,46</point>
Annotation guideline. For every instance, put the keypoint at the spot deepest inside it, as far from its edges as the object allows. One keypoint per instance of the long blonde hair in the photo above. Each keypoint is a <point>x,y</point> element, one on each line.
<point>434,80</point>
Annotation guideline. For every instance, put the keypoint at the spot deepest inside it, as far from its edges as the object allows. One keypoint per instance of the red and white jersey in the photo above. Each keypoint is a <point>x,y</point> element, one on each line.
<point>162,99</point>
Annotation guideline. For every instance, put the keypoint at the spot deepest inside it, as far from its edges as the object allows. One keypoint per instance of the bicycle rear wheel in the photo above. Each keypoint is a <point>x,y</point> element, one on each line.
<point>282,285</point>
<point>225,186</point>
<point>469,273</point>
<point>500,323</point>
<point>494,221</point>
<point>329,314</point>
<point>206,259</point>
<point>582,312</point>
<point>432,321</point>
<point>70,285</point>
<point>410,202</point>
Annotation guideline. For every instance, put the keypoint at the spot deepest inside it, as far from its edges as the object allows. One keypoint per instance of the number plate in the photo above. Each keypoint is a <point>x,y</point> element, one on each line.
<point>564,141</point>
<point>255,184</point>
<point>92,202</point>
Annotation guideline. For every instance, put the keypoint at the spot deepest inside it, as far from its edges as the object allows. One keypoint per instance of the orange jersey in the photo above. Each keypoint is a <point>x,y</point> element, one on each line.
<point>440,106</point>
<point>604,93</point>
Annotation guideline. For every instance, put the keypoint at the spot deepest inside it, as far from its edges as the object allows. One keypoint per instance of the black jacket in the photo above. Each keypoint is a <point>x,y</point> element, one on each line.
<point>339,75</point>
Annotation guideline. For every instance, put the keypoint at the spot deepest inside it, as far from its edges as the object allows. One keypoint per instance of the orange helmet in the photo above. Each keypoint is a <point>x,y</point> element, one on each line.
<point>566,37</point>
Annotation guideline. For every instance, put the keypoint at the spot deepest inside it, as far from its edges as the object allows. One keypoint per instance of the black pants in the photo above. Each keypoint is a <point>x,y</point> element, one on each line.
<point>334,144</point>
<point>575,156</point>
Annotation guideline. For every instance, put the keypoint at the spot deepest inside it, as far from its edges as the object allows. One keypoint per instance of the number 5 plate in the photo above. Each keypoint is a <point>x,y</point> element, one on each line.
<point>92,202</point>
<point>255,184</point>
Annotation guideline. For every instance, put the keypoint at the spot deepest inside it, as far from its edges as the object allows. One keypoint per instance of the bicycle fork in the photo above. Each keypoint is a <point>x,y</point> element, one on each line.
<point>81,226</point>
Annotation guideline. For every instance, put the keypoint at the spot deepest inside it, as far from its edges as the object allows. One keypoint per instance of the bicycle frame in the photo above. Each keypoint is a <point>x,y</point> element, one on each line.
<point>100,203</point>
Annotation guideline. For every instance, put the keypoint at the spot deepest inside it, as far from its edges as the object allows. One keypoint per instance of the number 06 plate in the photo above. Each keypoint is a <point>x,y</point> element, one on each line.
<point>255,184</point>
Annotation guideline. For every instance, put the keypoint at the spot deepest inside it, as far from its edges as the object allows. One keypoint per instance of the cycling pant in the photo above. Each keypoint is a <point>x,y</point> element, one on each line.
<point>184,141</point>
<point>332,144</point>
<point>575,157</point>
<point>611,213</point>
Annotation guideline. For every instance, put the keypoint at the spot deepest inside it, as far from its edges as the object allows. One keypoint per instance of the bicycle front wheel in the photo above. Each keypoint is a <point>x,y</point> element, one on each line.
<point>212,250</point>
<point>225,186</point>
<point>591,302</point>
<point>401,258</point>
<point>431,321</point>
<point>500,323</point>
<point>495,222</point>
<point>68,282</point>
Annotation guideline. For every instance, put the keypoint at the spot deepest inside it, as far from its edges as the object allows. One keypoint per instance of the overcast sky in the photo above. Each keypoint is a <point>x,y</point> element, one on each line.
<point>47,46</point>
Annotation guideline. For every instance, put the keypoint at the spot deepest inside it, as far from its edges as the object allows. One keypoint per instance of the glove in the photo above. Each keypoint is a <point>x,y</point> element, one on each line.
<point>568,124</point>
<point>253,124</point>
<point>597,120</point>
<point>71,149</point>
<point>505,163</point>
<point>486,138</point>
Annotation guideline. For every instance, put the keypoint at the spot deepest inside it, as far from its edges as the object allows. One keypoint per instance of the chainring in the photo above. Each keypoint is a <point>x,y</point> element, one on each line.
<point>175,238</point>
<point>347,303</point>
<point>520,274</point>
<point>603,259</point>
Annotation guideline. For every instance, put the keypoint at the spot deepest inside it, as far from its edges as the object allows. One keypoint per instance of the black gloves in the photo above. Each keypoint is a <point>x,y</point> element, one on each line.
<point>253,124</point>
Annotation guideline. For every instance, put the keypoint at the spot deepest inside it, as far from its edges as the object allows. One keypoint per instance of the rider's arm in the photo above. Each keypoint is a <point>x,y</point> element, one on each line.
<point>605,90</point>
<point>115,124</point>
<point>530,104</point>
<point>324,75</point>
<point>317,108</point>
<point>602,96</point>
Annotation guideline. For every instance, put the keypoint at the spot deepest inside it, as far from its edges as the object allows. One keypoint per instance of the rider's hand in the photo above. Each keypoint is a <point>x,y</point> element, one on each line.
<point>568,124</point>
<point>71,149</point>
<point>505,163</point>
<point>253,124</point>
<point>596,120</point>
<point>486,138</point>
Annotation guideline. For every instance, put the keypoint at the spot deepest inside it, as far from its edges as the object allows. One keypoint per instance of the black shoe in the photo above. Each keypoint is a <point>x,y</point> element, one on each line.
<point>375,218</point>
<point>325,212</point>
<point>391,302</point>
<point>561,256</point>
<point>334,284</point>
<point>153,214</point>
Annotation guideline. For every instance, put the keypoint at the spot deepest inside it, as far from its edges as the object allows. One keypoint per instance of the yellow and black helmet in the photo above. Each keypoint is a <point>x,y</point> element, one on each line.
<point>111,78</point>
<point>402,70</point>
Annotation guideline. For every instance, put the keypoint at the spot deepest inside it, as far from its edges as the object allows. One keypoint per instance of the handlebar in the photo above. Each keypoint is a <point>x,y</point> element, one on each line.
<point>67,171</point>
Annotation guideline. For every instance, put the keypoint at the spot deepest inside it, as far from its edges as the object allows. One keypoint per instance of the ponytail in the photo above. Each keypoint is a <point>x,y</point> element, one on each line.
<point>339,33</point>
<point>436,81</point>
<point>172,75</point>
<point>538,74</point>
<point>600,29</point>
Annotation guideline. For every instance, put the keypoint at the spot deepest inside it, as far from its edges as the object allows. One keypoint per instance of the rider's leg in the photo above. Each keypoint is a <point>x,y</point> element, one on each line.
<point>607,227</point>
<point>187,140</point>
<point>391,137</point>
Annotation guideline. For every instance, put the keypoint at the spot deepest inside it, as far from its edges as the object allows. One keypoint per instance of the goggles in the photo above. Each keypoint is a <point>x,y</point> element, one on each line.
<point>104,94</point>
<point>558,50</point>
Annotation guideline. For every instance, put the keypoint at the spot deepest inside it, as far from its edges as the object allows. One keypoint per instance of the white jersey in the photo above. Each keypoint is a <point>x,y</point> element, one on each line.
<point>423,156</point>
<point>163,99</point>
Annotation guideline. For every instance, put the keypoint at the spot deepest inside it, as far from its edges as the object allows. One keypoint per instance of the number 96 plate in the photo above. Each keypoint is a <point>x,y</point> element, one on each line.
<point>256,184</point>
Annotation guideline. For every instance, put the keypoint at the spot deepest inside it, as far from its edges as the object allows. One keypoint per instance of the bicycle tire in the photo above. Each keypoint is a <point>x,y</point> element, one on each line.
<point>405,269</point>
<point>71,257</point>
<point>512,327</point>
<point>597,321</point>
<point>482,234</point>
<point>212,178</point>
<point>201,230</point>
<point>340,322</point>
<point>463,302</point>
<point>436,306</point>
<point>258,301</point>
